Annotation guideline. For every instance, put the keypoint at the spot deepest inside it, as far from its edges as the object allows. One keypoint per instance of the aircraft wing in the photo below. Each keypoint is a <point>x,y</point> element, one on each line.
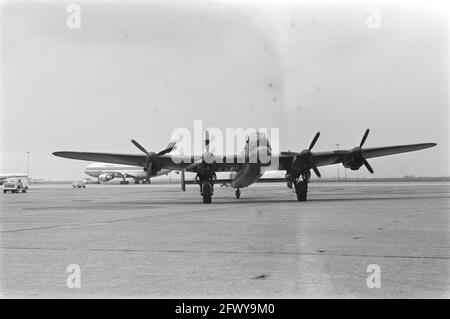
<point>169,162</point>
<point>227,164</point>
<point>337,156</point>
<point>126,159</point>
<point>391,150</point>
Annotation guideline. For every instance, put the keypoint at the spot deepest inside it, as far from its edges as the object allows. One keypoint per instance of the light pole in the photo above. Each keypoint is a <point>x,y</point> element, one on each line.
<point>337,148</point>
<point>28,164</point>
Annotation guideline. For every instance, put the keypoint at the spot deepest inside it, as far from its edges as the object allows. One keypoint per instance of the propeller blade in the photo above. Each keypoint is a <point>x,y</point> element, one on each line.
<point>183,181</point>
<point>167,150</point>
<point>367,165</point>
<point>149,171</point>
<point>207,141</point>
<point>364,138</point>
<point>316,171</point>
<point>139,146</point>
<point>172,143</point>
<point>314,140</point>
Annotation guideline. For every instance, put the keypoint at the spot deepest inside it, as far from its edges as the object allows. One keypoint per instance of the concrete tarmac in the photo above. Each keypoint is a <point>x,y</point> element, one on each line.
<point>156,241</point>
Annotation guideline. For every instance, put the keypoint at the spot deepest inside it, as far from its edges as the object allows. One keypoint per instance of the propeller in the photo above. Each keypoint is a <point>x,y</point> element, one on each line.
<point>151,156</point>
<point>207,141</point>
<point>356,152</point>
<point>207,156</point>
<point>306,158</point>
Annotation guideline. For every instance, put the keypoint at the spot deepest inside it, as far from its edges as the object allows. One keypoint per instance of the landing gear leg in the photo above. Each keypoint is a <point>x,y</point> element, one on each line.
<point>238,193</point>
<point>301,186</point>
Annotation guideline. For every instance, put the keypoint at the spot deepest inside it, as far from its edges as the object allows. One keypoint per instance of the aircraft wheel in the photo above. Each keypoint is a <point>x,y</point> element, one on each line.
<point>136,181</point>
<point>301,191</point>
<point>238,193</point>
<point>206,193</point>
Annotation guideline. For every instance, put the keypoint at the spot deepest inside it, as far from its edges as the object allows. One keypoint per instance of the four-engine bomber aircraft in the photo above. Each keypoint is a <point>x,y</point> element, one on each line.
<point>298,165</point>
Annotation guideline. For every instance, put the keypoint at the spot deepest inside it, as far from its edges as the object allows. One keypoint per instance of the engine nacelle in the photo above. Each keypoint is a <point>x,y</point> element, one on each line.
<point>105,177</point>
<point>354,164</point>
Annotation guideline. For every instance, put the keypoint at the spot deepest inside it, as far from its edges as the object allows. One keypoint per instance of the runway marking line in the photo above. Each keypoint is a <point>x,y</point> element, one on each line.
<point>232,252</point>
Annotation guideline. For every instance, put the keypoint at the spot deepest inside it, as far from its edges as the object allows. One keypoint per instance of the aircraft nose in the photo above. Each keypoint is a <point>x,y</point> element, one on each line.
<point>264,154</point>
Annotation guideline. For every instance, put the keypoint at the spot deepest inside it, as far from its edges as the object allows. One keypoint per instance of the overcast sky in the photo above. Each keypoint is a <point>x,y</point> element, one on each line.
<point>140,69</point>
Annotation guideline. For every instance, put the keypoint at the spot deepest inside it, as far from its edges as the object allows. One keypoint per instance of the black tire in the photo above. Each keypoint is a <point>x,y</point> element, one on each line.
<point>301,191</point>
<point>4,191</point>
<point>206,193</point>
<point>238,194</point>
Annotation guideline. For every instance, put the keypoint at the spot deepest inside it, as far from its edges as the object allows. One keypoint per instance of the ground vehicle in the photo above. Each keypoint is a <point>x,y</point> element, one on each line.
<point>15,185</point>
<point>79,184</point>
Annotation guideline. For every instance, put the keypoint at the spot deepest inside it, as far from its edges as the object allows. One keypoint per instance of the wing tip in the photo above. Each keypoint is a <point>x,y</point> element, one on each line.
<point>59,153</point>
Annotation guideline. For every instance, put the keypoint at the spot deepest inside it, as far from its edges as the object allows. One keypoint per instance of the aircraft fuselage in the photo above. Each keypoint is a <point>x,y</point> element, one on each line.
<point>257,146</point>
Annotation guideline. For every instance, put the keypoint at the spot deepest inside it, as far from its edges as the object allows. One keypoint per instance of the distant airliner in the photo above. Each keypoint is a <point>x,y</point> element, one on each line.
<point>107,171</point>
<point>298,165</point>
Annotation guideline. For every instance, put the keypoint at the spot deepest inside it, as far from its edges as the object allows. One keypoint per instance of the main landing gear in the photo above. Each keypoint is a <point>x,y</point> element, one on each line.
<point>142,181</point>
<point>206,182</point>
<point>124,181</point>
<point>207,192</point>
<point>301,186</point>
